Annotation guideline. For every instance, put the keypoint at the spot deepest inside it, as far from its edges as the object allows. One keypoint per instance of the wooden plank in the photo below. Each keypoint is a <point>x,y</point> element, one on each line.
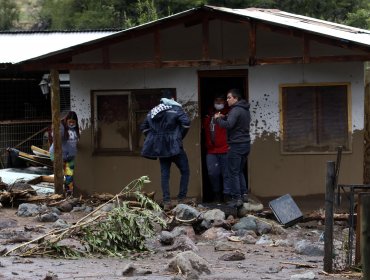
<point>40,151</point>
<point>252,43</point>
<point>329,214</point>
<point>57,140</point>
<point>205,38</point>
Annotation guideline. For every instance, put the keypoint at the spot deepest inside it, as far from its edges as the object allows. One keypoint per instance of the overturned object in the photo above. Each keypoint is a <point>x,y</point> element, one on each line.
<point>286,210</point>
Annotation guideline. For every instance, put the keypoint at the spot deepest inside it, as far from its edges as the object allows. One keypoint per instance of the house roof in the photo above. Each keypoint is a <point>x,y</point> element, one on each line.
<point>23,45</point>
<point>343,33</point>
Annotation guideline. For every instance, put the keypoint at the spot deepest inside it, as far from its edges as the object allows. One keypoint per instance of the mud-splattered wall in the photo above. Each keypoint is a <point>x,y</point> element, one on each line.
<point>272,173</point>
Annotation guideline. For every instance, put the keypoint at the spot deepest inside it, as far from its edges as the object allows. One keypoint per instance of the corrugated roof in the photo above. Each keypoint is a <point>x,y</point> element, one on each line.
<point>322,27</point>
<point>21,46</point>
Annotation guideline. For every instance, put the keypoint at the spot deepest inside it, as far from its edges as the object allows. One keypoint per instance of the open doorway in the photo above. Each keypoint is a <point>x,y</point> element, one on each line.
<point>212,84</point>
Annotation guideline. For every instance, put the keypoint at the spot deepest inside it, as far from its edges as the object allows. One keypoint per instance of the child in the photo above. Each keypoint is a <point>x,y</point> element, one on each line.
<point>70,134</point>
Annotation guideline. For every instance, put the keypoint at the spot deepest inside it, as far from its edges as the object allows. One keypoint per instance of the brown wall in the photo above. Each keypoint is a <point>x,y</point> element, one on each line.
<point>274,174</point>
<point>111,173</point>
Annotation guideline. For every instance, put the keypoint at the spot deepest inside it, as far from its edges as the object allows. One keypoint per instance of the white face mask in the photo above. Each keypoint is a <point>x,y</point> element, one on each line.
<point>219,106</point>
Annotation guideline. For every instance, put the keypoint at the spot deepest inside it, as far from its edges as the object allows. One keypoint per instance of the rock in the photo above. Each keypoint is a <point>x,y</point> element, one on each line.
<point>248,223</point>
<point>183,243</point>
<point>226,246</point>
<point>244,232</point>
<point>28,210</point>
<point>263,227</point>
<point>234,256</point>
<point>304,276</point>
<point>212,216</point>
<point>249,239</point>
<point>56,210</point>
<point>264,240</point>
<point>185,212</point>
<point>79,208</point>
<point>60,223</point>
<point>51,276</point>
<point>7,223</point>
<point>72,243</point>
<point>65,206</point>
<point>108,207</point>
<point>48,217</point>
<point>284,243</point>
<point>250,207</point>
<point>88,209</point>
<point>131,270</point>
<point>166,238</point>
<point>216,234</point>
<point>190,264</point>
<point>305,247</point>
<point>184,230</point>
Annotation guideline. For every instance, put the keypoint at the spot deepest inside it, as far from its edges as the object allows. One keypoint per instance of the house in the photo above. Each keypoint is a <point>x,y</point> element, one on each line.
<point>304,78</point>
<point>24,112</point>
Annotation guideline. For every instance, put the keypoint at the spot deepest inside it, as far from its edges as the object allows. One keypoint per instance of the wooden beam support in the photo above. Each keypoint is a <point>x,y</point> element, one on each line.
<point>157,48</point>
<point>57,138</point>
<point>252,42</point>
<point>205,38</point>
<point>306,49</point>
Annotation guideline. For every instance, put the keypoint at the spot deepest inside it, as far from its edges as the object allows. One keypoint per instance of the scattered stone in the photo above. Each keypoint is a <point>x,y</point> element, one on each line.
<point>56,211</point>
<point>244,232</point>
<point>284,243</point>
<point>264,240</point>
<point>80,208</point>
<point>166,238</point>
<point>226,246</point>
<point>60,223</point>
<point>248,223</point>
<point>184,230</point>
<point>216,234</point>
<point>72,243</point>
<point>51,276</point>
<point>249,239</point>
<point>249,207</point>
<point>131,270</point>
<point>212,216</point>
<point>234,256</point>
<point>183,243</point>
<point>108,207</point>
<point>88,209</point>
<point>263,227</point>
<point>65,206</point>
<point>48,217</point>
<point>190,265</point>
<point>304,276</point>
<point>7,223</point>
<point>305,247</point>
<point>28,210</point>
<point>185,212</point>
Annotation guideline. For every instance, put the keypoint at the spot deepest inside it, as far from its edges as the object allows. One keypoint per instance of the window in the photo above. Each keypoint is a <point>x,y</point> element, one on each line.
<point>315,118</point>
<point>117,115</point>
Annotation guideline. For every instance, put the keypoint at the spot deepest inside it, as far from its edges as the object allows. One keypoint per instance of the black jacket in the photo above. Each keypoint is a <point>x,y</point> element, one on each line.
<point>164,127</point>
<point>237,123</point>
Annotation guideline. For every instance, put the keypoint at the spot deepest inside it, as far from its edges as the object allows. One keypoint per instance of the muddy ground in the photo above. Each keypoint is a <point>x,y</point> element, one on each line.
<point>262,262</point>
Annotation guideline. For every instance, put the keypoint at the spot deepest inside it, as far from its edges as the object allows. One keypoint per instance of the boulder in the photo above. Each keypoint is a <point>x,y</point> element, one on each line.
<point>305,247</point>
<point>166,238</point>
<point>212,216</point>
<point>60,223</point>
<point>65,206</point>
<point>184,230</point>
<point>263,227</point>
<point>248,223</point>
<point>185,212</point>
<point>28,210</point>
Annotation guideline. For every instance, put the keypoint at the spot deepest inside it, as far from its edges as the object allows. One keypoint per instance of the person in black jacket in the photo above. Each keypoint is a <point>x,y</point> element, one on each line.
<point>165,126</point>
<point>237,125</point>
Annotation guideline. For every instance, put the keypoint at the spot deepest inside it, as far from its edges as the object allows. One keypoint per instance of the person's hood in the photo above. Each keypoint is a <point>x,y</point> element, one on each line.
<point>243,104</point>
<point>158,109</point>
<point>170,102</point>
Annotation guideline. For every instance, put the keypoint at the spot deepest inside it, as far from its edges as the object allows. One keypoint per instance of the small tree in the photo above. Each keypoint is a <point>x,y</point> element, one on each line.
<point>9,14</point>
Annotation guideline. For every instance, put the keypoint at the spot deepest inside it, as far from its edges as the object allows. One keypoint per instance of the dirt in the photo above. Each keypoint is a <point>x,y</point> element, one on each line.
<point>262,262</point>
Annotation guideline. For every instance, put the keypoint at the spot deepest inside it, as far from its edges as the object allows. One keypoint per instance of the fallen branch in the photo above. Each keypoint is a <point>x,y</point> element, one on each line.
<point>303,265</point>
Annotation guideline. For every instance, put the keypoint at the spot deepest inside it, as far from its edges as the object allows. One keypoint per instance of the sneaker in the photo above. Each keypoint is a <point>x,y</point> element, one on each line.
<point>167,206</point>
<point>245,197</point>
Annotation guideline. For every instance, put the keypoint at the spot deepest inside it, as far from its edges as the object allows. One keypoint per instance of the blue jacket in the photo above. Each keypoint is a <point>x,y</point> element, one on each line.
<point>165,126</point>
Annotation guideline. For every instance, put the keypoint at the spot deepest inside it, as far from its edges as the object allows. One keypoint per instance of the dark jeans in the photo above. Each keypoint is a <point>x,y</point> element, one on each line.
<point>217,170</point>
<point>236,159</point>
<point>181,161</point>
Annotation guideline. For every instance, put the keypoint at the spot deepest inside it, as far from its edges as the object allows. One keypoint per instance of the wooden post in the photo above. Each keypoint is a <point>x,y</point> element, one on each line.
<point>365,236</point>
<point>329,217</point>
<point>57,140</point>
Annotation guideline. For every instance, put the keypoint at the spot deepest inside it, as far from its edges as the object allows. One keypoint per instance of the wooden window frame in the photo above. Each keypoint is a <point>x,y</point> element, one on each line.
<point>349,116</point>
<point>133,149</point>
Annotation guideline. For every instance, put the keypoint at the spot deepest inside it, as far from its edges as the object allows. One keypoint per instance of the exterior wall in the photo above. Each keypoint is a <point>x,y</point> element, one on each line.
<point>275,174</point>
<point>111,173</point>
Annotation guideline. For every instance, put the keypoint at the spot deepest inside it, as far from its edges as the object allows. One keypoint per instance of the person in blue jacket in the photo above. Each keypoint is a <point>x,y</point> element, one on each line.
<point>165,126</point>
<point>70,133</point>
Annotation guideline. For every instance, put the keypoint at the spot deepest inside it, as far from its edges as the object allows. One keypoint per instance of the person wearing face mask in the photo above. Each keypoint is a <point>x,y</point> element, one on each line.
<point>70,133</point>
<point>216,145</point>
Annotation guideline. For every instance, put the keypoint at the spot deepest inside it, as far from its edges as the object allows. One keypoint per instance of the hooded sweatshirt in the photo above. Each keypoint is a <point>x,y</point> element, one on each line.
<point>237,123</point>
